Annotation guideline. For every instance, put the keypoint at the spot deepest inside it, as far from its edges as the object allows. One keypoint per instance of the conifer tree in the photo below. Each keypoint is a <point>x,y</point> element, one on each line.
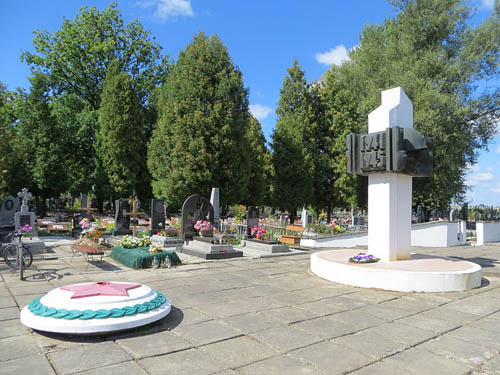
<point>200,136</point>
<point>259,164</point>
<point>120,140</point>
<point>41,135</point>
<point>291,158</point>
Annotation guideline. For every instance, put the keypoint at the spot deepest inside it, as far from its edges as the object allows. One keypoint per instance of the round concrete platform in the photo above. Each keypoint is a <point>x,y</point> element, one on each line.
<point>423,273</point>
<point>93,308</point>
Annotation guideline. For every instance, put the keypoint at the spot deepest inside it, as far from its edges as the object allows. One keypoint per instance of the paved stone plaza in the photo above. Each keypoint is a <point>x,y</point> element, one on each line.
<point>262,316</point>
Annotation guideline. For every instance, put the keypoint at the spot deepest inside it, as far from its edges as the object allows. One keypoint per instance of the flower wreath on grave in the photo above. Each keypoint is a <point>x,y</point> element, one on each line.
<point>363,258</point>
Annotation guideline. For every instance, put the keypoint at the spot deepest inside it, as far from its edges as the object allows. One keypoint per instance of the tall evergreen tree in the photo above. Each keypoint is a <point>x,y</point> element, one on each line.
<point>41,136</point>
<point>13,155</point>
<point>120,146</point>
<point>433,52</point>
<point>259,164</point>
<point>203,111</point>
<point>292,180</point>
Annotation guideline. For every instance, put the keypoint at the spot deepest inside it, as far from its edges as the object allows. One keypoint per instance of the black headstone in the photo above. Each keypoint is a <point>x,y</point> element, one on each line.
<point>9,207</point>
<point>252,218</point>
<point>157,215</point>
<point>195,208</point>
<point>122,220</point>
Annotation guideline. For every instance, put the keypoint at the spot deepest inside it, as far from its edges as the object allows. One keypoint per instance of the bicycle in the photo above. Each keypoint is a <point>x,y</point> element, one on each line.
<point>11,251</point>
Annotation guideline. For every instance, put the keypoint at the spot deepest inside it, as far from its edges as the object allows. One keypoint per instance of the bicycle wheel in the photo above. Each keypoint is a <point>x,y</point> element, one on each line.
<point>10,257</point>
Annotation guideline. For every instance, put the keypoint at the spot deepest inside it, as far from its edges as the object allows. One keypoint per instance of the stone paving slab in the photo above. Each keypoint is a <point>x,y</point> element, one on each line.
<point>17,347</point>
<point>10,328</point>
<point>206,332</point>
<point>147,345</point>
<point>280,365</point>
<point>422,362</point>
<point>286,338</point>
<point>331,358</point>
<point>33,364</point>
<point>451,347</point>
<point>238,352</point>
<point>129,368</point>
<point>269,316</point>
<point>87,357</point>
<point>187,362</point>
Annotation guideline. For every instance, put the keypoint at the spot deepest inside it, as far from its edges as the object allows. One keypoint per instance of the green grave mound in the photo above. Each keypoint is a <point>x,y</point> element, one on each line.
<point>140,257</point>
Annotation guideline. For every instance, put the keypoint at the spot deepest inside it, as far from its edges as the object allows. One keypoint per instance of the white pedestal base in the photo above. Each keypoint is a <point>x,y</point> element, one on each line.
<point>422,273</point>
<point>61,299</point>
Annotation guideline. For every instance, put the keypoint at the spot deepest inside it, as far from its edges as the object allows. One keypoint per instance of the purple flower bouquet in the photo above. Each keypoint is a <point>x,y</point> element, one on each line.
<point>364,258</point>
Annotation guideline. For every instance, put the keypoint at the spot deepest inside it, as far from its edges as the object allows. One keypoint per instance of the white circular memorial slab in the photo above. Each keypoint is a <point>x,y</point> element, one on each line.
<point>421,273</point>
<point>97,307</point>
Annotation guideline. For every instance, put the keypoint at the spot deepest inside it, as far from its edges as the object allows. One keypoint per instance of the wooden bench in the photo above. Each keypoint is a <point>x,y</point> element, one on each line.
<point>87,251</point>
<point>292,240</point>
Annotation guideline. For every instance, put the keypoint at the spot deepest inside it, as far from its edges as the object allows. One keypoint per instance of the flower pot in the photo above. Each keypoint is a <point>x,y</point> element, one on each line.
<point>206,233</point>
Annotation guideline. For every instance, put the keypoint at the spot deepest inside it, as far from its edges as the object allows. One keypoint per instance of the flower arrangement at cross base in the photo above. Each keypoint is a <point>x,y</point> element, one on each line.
<point>363,258</point>
<point>258,232</point>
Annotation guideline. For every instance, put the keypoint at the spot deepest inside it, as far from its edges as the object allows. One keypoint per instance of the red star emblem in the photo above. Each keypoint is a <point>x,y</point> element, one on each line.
<point>101,288</point>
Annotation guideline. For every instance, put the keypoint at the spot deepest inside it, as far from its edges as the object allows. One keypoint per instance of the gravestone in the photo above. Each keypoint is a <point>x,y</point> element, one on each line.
<point>465,212</point>
<point>195,208</point>
<point>24,217</point>
<point>390,155</point>
<point>157,215</point>
<point>306,217</point>
<point>122,220</point>
<point>358,220</point>
<point>83,199</point>
<point>9,207</point>
<point>214,201</point>
<point>252,218</point>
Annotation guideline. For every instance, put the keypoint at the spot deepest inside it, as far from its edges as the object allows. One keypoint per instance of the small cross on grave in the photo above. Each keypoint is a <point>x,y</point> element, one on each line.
<point>134,214</point>
<point>24,194</point>
<point>88,209</point>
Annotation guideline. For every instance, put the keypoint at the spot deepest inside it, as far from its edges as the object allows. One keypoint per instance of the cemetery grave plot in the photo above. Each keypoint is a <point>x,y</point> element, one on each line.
<point>141,257</point>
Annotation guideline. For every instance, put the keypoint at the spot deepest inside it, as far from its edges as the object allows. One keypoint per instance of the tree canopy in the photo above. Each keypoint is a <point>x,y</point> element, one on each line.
<point>292,161</point>
<point>442,62</point>
<point>199,141</point>
<point>120,146</point>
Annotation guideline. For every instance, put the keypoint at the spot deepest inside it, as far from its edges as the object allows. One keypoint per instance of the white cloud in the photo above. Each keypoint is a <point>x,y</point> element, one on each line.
<point>483,177</point>
<point>169,8</point>
<point>259,111</point>
<point>487,4</point>
<point>495,190</point>
<point>474,168</point>
<point>335,56</point>
<point>498,150</point>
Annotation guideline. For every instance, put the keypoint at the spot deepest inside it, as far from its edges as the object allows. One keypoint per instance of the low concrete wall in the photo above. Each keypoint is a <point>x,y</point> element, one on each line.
<point>342,240</point>
<point>487,232</point>
<point>433,234</point>
<point>439,234</point>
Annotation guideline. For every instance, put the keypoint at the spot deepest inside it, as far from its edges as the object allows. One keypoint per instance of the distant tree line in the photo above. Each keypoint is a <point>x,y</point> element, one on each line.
<point>108,113</point>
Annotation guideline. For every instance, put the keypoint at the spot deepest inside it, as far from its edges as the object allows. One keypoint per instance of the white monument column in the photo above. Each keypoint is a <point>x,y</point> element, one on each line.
<point>390,194</point>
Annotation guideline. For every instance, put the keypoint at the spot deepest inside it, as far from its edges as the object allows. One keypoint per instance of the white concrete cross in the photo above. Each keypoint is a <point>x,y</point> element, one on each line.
<point>390,194</point>
<point>24,194</point>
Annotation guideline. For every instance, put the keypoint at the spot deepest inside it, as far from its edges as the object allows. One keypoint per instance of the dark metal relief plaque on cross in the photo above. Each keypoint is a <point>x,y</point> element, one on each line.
<point>395,150</point>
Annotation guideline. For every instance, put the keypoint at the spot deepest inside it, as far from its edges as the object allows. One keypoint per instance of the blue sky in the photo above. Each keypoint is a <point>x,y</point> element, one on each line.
<point>263,38</point>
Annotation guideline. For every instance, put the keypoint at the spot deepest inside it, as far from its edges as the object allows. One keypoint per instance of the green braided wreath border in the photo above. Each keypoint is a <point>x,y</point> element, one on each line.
<point>38,309</point>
